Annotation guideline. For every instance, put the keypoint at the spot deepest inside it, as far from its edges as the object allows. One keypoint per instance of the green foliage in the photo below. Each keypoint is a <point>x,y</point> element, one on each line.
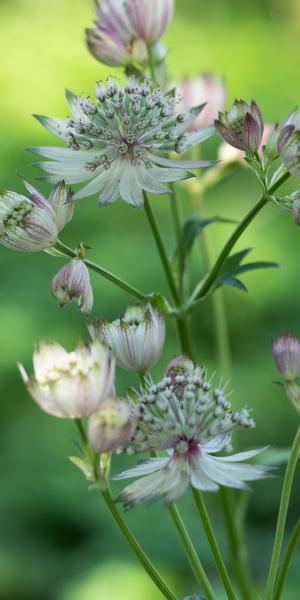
<point>233,267</point>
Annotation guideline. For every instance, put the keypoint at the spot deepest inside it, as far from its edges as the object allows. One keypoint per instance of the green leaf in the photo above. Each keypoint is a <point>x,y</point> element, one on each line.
<point>192,228</point>
<point>233,267</point>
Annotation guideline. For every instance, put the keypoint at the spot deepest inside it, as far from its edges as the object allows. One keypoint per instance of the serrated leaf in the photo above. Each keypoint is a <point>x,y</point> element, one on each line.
<point>233,267</point>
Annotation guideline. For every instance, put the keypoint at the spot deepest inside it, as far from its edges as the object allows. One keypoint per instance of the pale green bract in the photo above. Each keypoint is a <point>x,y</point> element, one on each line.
<point>118,143</point>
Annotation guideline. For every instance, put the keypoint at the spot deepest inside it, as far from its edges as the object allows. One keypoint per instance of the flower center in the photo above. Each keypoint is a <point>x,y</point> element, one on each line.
<point>17,214</point>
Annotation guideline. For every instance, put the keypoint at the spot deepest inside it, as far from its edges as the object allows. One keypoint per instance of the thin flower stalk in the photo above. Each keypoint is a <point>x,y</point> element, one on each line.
<point>292,544</point>
<point>282,515</point>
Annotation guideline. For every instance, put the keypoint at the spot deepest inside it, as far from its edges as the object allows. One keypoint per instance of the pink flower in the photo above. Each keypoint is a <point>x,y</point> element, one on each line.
<point>205,88</point>
<point>150,18</point>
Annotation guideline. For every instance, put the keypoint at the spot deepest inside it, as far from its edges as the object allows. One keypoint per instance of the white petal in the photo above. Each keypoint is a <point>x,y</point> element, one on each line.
<point>240,455</point>
<point>145,468</point>
<point>217,443</point>
<point>129,187</point>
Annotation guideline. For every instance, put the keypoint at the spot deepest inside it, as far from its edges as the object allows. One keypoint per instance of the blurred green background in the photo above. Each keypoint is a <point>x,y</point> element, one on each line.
<point>56,540</point>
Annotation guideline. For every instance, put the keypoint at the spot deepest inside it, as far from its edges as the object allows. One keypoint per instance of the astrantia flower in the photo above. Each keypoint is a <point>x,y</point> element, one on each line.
<point>70,384</point>
<point>191,426</point>
<point>111,426</point>
<point>286,354</point>
<point>72,282</point>
<point>242,127</point>
<point>32,223</point>
<point>204,88</point>
<point>150,18</point>
<point>289,143</point>
<point>116,143</point>
<point>137,340</point>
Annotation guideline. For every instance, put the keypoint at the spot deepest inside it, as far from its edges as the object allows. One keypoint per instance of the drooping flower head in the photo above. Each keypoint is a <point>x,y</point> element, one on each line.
<point>124,29</point>
<point>70,384</point>
<point>242,127</point>
<point>205,88</point>
<point>116,142</point>
<point>137,339</point>
<point>286,354</point>
<point>32,223</point>
<point>72,282</point>
<point>191,423</point>
<point>111,426</point>
<point>289,143</point>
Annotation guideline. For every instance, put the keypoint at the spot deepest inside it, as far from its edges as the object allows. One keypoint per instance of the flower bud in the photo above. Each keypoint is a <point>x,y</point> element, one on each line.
<point>286,355</point>
<point>70,385</point>
<point>137,340</point>
<point>150,18</point>
<point>207,89</point>
<point>111,426</point>
<point>72,282</point>
<point>32,223</point>
<point>242,127</point>
<point>270,140</point>
<point>289,143</point>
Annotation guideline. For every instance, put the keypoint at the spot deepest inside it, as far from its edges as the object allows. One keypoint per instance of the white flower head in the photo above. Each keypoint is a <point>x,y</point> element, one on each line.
<point>32,223</point>
<point>111,426</point>
<point>70,384</point>
<point>116,142</point>
<point>191,427</point>
<point>72,282</point>
<point>137,339</point>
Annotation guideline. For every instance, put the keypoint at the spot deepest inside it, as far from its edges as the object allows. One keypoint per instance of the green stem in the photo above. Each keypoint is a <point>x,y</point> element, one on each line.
<point>152,65</point>
<point>103,272</point>
<point>283,509</point>
<point>295,535</point>
<point>162,251</point>
<point>178,236</point>
<point>148,566</point>
<point>238,551</point>
<point>143,558</point>
<point>192,554</point>
<point>214,544</point>
<point>204,287</point>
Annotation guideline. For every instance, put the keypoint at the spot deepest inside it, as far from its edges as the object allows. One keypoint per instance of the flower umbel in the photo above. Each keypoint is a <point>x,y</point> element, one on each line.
<point>242,127</point>
<point>137,340</point>
<point>72,282</point>
<point>115,143</point>
<point>32,223</point>
<point>190,426</point>
<point>70,384</point>
<point>111,426</point>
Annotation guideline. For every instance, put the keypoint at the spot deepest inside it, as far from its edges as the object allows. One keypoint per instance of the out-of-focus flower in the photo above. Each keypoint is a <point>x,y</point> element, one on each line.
<point>70,384</point>
<point>242,127</point>
<point>137,340</point>
<point>72,282</point>
<point>110,427</point>
<point>286,354</point>
<point>270,141</point>
<point>191,429</point>
<point>150,18</point>
<point>116,143</point>
<point>289,143</point>
<point>205,88</point>
<point>124,29</point>
<point>228,154</point>
<point>32,223</point>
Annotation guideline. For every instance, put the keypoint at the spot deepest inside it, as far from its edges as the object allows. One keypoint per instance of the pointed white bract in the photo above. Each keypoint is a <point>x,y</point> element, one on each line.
<point>136,340</point>
<point>185,416</point>
<point>205,88</point>
<point>70,385</point>
<point>110,427</point>
<point>32,223</point>
<point>72,282</point>
<point>116,143</point>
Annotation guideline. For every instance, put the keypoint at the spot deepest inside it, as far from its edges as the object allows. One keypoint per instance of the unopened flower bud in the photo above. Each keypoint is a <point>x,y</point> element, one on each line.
<point>72,282</point>
<point>70,384</point>
<point>137,340</point>
<point>289,143</point>
<point>32,223</point>
<point>205,88</point>
<point>242,127</point>
<point>270,140</point>
<point>110,427</point>
<point>286,354</point>
<point>150,18</point>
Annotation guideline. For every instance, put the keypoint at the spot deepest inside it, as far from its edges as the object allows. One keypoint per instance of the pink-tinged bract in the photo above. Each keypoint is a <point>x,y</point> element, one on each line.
<point>242,127</point>
<point>72,282</point>
<point>286,354</point>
